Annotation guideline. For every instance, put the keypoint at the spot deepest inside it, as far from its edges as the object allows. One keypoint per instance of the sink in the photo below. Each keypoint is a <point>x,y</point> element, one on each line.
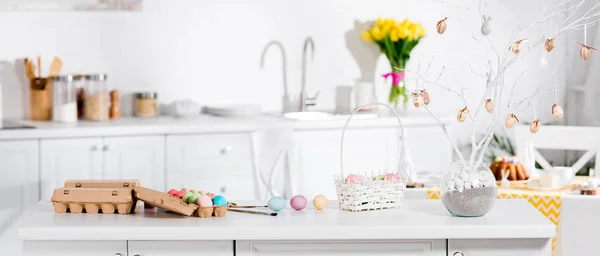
<point>314,116</point>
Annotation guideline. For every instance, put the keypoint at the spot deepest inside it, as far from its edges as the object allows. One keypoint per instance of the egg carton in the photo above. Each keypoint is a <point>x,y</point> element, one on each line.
<point>215,211</point>
<point>94,200</point>
<point>102,183</point>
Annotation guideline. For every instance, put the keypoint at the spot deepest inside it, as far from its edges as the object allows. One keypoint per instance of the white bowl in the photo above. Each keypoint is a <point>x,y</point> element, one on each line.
<point>565,173</point>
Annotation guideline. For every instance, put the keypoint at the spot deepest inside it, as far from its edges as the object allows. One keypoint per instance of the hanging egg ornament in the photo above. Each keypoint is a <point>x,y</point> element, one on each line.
<point>417,99</point>
<point>489,105</point>
<point>486,28</point>
<point>585,51</point>
<point>441,26</point>
<point>557,111</point>
<point>462,115</point>
<point>549,44</point>
<point>426,98</point>
<point>511,120</point>
<point>515,46</point>
<point>535,126</point>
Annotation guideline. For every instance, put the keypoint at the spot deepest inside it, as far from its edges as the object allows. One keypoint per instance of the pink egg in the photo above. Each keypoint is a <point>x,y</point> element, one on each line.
<point>392,177</point>
<point>298,202</point>
<point>180,194</point>
<point>173,192</point>
<point>353,178</point>
<point>204,201</point>
<point>212,196</point>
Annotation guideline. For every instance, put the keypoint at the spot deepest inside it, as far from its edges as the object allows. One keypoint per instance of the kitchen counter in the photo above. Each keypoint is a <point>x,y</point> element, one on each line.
<point>416,219</point>
<point>201,124</point>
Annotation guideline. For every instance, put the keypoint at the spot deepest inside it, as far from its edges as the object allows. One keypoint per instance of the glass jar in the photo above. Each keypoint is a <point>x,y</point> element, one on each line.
<point>468,190</point>
<point>64,107</point>
<point>146,104</point>
<point>96,99</point>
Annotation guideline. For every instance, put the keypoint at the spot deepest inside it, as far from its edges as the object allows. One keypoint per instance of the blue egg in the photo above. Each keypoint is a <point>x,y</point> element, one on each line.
<point>276,203</point>
<point>219,201</point>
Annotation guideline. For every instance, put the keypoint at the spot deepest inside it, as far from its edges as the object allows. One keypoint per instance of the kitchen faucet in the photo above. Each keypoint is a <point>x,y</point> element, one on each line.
<point>306,101</point>
<point>284,66</point>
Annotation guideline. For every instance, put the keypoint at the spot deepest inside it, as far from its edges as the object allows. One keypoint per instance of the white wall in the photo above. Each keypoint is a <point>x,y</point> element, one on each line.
<point>210,50</point>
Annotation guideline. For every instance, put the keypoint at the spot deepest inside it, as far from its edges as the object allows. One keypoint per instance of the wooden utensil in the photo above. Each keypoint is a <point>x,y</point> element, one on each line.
<point>254,212</point>
<point>55,67</point>
<point>29,69</point>
<point>39,66</point>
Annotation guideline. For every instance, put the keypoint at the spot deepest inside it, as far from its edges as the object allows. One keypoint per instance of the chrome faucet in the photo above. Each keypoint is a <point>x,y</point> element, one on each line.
<point>306,101</point>
<point>284,67</point>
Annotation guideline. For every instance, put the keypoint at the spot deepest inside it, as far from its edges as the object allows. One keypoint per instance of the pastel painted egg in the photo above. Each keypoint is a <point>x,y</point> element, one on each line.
<point>193,191</point>
<point>504,160</point>
<point>298,202</point>
<point>180,194</point>
<point>498,159</point>
<point>212,196</point>
<point>186,197</point>
<point>204,201</point>
<point>353,178</point>
<point>392,177</point>
<point>379,177</point>
<point>219,201</point>
<point>194,198</point>
<point>172,192</point>
<point>276,203</point>
<point>320,202</point>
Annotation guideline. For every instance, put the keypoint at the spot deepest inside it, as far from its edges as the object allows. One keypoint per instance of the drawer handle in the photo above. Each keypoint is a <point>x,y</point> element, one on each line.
<point>458,254</point>
<point>225,150</point>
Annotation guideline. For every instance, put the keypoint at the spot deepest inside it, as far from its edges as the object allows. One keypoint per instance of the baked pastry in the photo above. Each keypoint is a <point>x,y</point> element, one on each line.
<point>516,170</point>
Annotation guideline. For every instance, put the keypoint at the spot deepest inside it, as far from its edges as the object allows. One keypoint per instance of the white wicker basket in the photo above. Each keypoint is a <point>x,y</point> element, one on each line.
<point>372,193</point>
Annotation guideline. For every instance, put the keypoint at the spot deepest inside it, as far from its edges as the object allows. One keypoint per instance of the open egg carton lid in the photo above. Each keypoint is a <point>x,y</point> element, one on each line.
<point>164,201</point>
<point>102,183</point>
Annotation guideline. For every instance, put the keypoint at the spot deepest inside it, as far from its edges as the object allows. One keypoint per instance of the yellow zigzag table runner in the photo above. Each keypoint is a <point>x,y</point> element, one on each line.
<point>547,202</point>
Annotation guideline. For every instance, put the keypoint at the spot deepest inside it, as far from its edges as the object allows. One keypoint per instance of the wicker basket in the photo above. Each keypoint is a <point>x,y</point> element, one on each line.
<point>372,193</point>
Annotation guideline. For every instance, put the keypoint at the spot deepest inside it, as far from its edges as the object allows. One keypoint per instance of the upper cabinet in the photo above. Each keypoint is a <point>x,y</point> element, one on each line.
<point>71,5</point>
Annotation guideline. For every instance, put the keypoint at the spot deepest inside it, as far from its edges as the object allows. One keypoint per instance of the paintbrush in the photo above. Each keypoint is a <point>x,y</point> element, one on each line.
<point>254,212</point>
<point>234,205</point>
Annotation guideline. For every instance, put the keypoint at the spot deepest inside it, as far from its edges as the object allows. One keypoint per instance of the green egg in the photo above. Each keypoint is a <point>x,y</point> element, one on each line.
<point>194,198</point>
<point>186,197</point>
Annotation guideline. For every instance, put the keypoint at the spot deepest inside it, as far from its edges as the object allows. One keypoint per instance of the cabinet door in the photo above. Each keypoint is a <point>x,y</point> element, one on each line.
<point>180,248</point>
<point>75,248</point>
<point>315,157</point>
<point>342,248</point>
<point>64,159</point>
<point>19,163</point>
<point>140,158</point>
<point>500,247</point>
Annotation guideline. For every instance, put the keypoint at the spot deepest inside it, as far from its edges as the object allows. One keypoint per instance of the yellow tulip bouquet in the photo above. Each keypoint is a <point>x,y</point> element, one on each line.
<point>396,40</point>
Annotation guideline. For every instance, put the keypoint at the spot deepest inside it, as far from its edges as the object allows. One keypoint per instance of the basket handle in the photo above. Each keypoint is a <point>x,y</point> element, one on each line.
<point>346,126</point>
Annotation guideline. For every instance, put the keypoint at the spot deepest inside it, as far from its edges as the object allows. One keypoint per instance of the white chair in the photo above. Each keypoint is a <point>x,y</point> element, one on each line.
<point>557,137</point>
<point>578,227</point>
<point>269,148</point>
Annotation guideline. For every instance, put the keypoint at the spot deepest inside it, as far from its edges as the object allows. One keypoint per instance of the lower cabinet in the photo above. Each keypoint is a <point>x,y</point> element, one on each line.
<point>339,248</point>
<point>75,248</point>
<point>180,248</point>
<point>500,247</point>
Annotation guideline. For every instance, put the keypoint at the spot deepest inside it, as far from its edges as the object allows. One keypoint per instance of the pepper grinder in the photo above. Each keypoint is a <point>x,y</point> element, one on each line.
<point>115,109</point>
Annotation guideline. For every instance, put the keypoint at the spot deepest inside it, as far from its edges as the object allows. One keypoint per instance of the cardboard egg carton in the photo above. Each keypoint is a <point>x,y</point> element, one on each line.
<point>102,183</point>
<point>94,200</point>
<point>175,204</point>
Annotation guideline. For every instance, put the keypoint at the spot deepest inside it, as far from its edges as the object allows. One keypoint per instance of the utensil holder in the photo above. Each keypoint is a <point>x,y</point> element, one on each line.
<point>40,99</point>
<point>371,193</point>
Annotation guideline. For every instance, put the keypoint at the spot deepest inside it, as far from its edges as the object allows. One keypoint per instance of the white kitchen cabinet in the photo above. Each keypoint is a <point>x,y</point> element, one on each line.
<point>140,158</point>
<point>19,163</point>
<point>64,159</point>
<point>180,248</point>
<point>342,248</point>
<point>315,157</point>
<point>75,248</point>
<point>500,247</point>
<point>102,158</point>
<point>218,163</point>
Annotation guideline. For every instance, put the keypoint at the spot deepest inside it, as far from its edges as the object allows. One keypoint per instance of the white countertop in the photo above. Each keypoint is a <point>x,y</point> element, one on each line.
<point>201,124</point>
<point>416,219</point>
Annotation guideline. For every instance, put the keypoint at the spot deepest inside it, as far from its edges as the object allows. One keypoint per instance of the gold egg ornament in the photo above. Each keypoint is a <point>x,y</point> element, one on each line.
<point>549,44</point>
<point>557,111</point>
<point>441,26</point>
<point>511,120</point>
<point>585,51</point>
<point>462,115</point>
<point>534,127</point>
<point>515,47</point>
<point>417,99</point>
<point>489,105</point>
<point>426,98</point>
